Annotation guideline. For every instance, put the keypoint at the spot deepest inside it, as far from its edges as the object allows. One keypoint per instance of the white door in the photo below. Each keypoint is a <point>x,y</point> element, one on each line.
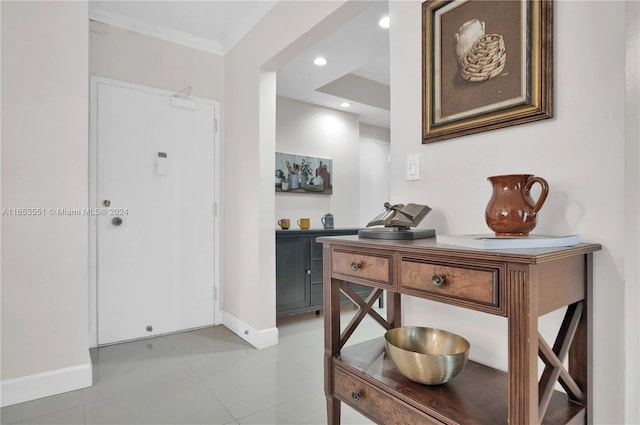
<point>155,196</point>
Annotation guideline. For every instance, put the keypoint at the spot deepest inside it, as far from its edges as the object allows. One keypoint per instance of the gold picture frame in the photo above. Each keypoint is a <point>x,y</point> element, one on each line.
<point>486,64</point>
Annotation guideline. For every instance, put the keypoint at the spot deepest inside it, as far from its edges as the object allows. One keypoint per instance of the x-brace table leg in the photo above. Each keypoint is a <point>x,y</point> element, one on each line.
<point>365,308</point>
<point>553,358</point>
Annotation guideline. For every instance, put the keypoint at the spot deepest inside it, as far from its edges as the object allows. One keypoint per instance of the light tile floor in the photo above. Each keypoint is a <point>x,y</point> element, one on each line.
<point>205,376</point>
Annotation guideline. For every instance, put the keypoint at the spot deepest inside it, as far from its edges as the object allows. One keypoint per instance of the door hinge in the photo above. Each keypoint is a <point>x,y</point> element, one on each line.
<point>215,209</point>
<point>215,124</point>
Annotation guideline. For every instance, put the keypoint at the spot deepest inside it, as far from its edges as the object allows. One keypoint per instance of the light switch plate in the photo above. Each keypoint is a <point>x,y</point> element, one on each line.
<point>413,167</point>
<point>162,164</point>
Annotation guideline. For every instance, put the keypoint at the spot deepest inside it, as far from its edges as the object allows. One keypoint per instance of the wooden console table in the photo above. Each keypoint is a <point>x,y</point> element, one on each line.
<point>520,285</point>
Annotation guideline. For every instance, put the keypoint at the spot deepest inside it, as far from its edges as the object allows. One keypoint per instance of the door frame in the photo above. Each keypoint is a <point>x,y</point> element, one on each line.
<point>95,81</point>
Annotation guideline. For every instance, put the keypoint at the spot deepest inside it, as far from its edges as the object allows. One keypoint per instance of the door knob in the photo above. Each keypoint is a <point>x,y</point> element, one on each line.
<point>116,221</point>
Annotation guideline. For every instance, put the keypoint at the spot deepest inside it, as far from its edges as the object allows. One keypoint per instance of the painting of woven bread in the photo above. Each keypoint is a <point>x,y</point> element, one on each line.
<point>485,59</point>
<point>474,74</point>
<point>480,56</point>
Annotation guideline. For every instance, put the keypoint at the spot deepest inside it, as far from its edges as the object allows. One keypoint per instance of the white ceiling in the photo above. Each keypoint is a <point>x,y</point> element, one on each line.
<point>358,53</point>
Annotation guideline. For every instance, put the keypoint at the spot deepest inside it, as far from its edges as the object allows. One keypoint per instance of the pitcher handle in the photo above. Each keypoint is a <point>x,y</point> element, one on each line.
<point>543,194</point>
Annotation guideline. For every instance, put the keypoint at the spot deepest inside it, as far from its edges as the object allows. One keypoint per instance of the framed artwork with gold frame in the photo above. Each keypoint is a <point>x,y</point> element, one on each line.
<point>486,64</point>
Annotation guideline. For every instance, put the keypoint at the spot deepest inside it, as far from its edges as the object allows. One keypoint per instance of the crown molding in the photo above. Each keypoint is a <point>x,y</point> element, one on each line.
<point>246,25</point>
<point>184,38</point>
<point>156,31</point>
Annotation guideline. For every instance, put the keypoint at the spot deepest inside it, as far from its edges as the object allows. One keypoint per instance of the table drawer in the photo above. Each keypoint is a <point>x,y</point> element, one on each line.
<point>362,266</point>
<point>374,403</point>
<point>473,285</point>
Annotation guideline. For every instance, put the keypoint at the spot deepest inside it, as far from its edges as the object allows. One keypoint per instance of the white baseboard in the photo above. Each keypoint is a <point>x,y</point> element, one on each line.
<point>259,339</point>
<point>44,384</point>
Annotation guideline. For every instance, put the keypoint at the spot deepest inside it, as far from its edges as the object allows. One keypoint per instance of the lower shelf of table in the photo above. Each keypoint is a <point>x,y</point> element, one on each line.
<point>478,395</point>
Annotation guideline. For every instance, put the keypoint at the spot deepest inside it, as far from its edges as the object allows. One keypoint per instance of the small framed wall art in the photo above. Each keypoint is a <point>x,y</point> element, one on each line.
<point>487,64</point>
<point>303,174</point>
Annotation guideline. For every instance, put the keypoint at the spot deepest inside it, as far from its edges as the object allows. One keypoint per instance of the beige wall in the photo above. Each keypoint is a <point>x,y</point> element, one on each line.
<point>632,209</point>
<point>44,165</point>
<point>581,152</point>
<point>374,172</point>
<point>248,152</point>
<point>129,56</point>
<point>306,129</point>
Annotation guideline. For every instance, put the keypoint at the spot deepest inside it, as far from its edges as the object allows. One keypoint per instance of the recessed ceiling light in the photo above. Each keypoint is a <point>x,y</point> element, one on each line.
<point>384,22</point>
<point>320,61</point>
<point>345,104</point>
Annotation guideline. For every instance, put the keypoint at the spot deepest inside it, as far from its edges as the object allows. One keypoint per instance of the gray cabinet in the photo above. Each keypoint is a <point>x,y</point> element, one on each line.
<point>299,270</point>
<point>293,273</point>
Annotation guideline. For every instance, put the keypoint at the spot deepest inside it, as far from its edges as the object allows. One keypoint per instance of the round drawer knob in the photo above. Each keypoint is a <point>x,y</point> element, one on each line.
<point>437,280</point>
<point>355,266</point>
<point>356,395</point>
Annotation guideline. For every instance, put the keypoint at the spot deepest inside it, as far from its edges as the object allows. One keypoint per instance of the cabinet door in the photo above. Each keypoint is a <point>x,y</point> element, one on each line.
<point>316,274</point>
<point>292,277</point>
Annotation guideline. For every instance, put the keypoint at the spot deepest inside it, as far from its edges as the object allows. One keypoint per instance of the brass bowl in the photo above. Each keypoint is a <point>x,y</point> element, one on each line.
<point>426,355</point>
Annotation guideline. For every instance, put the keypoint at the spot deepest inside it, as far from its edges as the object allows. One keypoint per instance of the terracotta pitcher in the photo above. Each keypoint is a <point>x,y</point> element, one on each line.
<point>511,211</point>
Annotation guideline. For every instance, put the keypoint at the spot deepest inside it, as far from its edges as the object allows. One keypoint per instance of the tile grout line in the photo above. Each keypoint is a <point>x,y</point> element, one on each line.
<point>197,375</point>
